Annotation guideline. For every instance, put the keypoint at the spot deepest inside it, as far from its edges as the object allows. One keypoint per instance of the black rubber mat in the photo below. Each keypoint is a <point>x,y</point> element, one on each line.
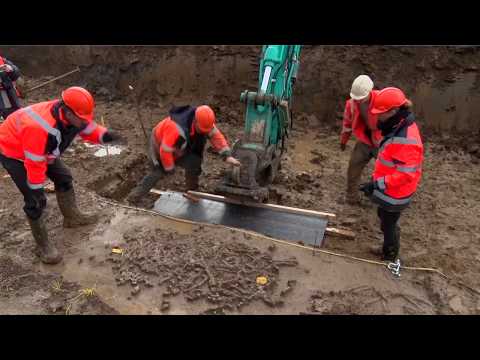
<point>280,225</point>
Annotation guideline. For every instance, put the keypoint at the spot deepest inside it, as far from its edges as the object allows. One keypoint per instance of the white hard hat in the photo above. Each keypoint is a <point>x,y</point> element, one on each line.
<point>361,87</point>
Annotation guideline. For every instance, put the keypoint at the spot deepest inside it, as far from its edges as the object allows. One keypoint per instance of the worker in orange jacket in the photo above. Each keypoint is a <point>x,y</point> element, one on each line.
<point>9,95</point>
<point>359,120</point>
<point>398,167</point>
<point>180,139</point>
<point>31,142</point>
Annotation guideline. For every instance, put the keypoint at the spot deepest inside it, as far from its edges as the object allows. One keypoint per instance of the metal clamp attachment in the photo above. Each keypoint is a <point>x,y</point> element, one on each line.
<point>395,268</point>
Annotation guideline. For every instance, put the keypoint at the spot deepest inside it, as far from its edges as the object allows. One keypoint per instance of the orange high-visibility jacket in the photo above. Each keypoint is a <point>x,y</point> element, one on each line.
<point>172,137</point>
<point>352,122</point>
<point>24,135</point>
<point>398,167</point>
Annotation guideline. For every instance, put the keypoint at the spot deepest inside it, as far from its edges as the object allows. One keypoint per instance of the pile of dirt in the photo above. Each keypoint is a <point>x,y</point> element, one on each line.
<point>223,272</point>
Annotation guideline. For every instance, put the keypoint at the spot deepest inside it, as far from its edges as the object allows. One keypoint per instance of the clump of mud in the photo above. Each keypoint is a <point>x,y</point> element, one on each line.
<point>200,267</point>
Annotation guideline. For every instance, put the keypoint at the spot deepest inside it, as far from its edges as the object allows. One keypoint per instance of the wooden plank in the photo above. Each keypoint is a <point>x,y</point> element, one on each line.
<point>340,233</point>
<point>343,233</point>
<point>191,197</point>
<point>262,205</point>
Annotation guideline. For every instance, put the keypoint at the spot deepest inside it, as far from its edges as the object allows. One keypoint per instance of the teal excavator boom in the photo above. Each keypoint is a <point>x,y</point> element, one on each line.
<point>268,119</point>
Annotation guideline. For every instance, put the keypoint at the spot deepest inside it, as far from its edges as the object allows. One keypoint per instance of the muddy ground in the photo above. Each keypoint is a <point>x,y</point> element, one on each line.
<point>174,268</point>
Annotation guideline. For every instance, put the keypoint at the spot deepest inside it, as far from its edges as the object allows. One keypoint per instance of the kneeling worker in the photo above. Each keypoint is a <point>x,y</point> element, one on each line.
<point>180,139</point>
<point>31,142</point>
<point>398,167</point>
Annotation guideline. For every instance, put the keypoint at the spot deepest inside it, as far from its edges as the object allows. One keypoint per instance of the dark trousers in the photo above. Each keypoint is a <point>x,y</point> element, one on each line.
<point>391,231</point>
<point>359,159</point>
<point>35,201</point>
<point>192,163</point>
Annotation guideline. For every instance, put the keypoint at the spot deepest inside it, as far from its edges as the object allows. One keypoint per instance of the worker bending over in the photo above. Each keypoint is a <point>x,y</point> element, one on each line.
<point>180,139</point>
<point>398,167</point>
<point>358,119</point>
<point>31,142</point>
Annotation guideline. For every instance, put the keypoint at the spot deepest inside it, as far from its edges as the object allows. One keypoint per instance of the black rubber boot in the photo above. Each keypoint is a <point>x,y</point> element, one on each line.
<point>72,216</point>
<point>391,253</point>
<point>148,182</point>
<point>46,250</point>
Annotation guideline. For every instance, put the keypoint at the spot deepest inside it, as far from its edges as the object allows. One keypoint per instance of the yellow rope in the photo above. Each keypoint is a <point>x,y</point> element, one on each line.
<point>285,242</point>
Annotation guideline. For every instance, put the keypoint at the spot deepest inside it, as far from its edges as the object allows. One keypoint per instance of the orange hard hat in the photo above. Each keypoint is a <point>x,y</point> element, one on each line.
<point>387,99</point>
<point>205,118</point>
<point>80,101</point>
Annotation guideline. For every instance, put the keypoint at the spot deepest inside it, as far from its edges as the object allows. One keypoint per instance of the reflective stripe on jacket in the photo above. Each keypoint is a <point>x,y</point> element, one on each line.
<point>173,139</point>
<point>398,167</point>
<point>24,136</point>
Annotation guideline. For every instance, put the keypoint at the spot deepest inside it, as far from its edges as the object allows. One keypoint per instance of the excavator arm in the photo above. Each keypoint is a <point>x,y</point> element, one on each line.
<point>267,121</point>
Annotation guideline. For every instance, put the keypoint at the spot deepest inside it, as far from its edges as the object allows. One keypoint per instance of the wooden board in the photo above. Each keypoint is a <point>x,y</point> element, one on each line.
<point>262,205</point>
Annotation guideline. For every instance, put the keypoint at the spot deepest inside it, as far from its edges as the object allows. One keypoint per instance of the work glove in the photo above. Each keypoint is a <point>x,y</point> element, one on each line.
<point>111,136</point>
<point>368,188</point>
<point>231,160</point>
<point>6,68</point>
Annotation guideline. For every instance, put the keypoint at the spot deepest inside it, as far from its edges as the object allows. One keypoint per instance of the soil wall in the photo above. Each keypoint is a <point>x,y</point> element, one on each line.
<point>443,81</point>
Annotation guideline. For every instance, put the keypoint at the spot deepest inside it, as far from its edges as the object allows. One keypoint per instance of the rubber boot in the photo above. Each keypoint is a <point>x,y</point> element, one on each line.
<point>72,217</point>
<point>142,189</point>
<point>391,253</point>
<point>191,182</point>
<point>46,250</point>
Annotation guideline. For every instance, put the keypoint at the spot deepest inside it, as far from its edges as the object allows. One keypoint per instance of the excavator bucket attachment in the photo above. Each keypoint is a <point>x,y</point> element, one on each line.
<point>267,118</point>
